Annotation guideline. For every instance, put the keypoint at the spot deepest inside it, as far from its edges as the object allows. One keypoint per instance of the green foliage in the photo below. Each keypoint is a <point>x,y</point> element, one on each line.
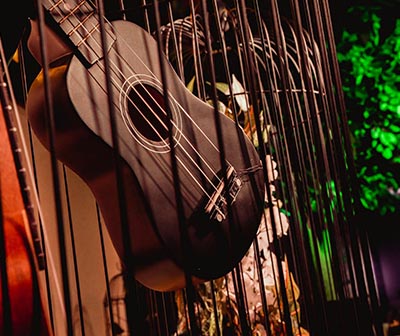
<point>370,64</point>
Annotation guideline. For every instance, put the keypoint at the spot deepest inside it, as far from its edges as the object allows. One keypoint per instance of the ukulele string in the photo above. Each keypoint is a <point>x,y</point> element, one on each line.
<point>72,12</point>
<point>190,157</point>
<point>129,121</point>
<point>172,121</point>
<point>120,88</point>
<point>95,28</point>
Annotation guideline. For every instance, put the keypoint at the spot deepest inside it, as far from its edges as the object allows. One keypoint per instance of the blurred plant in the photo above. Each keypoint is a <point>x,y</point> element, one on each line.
<point>370,64</point>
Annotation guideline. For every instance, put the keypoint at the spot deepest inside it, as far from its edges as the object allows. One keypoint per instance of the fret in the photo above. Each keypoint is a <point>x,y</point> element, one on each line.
<point>80,23</point>
<point>72,12</point>
<point>85,38</point>
<point>51,8</point>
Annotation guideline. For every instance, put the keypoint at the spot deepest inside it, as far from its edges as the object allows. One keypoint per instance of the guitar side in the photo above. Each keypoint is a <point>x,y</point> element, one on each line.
<point>84,143</point>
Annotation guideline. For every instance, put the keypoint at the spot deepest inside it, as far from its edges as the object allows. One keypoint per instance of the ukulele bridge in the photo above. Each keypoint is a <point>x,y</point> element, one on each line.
<point>217,206</point>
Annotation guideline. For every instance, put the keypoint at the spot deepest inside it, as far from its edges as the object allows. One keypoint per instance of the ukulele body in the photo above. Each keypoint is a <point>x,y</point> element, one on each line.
<point>221,204</point>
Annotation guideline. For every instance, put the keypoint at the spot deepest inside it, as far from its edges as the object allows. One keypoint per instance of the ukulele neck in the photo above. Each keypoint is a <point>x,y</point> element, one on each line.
<point>80,22</point>
<point>17,166</point>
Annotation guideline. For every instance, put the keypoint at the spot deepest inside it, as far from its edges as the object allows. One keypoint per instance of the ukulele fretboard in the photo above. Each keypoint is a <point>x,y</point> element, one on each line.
<point>80,22</point>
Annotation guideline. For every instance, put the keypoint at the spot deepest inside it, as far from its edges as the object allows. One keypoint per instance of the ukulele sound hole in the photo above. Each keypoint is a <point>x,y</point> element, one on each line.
<point>147,111</point>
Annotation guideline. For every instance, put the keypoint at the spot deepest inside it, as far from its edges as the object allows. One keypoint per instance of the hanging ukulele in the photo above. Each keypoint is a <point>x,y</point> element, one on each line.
<point>21,306</point>
<point>222,201</point>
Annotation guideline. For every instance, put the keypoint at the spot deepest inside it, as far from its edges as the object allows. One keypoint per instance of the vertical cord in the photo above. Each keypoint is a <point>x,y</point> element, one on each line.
<point>349,170</point>
<point>273,114</point>
<point>337,244</point>
<point>334,222</point>
<point>179,62</point>
<point>249,61</point>
<point>165,313</point>
<point>266,66</point>
<point>199,75</point>
<point>316,163</point>
<point>74,255</point>
<point>184,239</point>
<point>132,309</point>
<point>146,16</point>
<point>50,125</point>
<point>108,297</point>
<point>48,259</point>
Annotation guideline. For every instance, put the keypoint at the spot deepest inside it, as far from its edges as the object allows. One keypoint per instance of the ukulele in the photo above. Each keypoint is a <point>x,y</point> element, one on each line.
<point>221,201</point>
<point>22,310</point>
